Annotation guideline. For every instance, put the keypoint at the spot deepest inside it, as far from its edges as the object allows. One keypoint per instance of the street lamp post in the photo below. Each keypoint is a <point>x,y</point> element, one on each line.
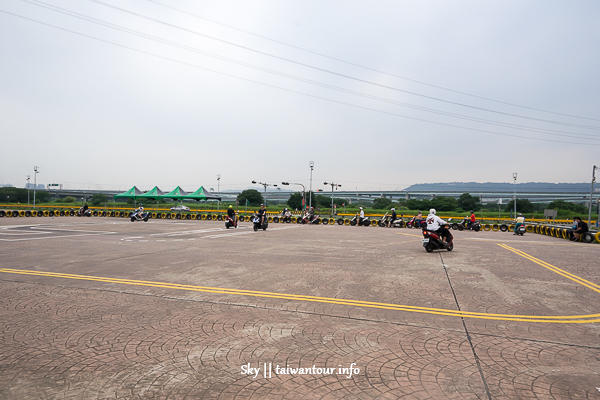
<point>303,192</point>
<point>311,164</point>
<point>35,169</point>
<point>592,193</point>
<point>265,186</point>
<point>332,186</point>
<point>515,195</point>
<point>28,178</point>
<point>218,190</point>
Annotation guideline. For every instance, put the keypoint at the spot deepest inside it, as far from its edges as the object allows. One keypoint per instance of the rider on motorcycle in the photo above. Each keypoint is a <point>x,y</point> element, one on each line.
<point>472,220</point>
<point>393,217</point>
<point>262,214</point>
<point>519,221</point>
<point>231,214</point>
<point>436,224</point>
<point>361,216</point>
<point>83,209</point>
<point>286,214</point>
<point>139,211</point>
<point>311,214</point>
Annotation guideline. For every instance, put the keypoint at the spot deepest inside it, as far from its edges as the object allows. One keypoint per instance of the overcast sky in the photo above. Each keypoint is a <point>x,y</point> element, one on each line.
<point>380,95</point>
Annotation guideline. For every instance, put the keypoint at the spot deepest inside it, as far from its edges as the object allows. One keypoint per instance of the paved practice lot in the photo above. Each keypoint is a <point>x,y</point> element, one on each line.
<point>102,308</point>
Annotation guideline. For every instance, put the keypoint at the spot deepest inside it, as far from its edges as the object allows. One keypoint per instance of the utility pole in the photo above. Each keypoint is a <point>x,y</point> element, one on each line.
<point>35,169</point>
<point>591,194</point>
<point>311,164</point>
<point>28,178</point>
<point>303,192</point>
<point>332,186</point>
<point>265,186</point>
<point>515,195</point>
<point>218,190</point>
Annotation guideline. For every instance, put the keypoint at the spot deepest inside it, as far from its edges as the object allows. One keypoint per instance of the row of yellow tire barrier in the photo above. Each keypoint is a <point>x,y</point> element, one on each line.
<point>555,231</point>
<point>563,233</point>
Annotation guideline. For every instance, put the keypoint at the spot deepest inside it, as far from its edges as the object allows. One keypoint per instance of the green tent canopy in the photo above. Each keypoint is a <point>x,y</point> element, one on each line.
<point>132,193</point>
<point>153,194</point>
<point>202,194</point>
<point>178,193</point>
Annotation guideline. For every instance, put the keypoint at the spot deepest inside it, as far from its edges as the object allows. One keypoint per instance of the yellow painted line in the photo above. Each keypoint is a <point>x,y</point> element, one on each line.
<point>409,234</point>
<point>568,275</point>
<point>572,319</point>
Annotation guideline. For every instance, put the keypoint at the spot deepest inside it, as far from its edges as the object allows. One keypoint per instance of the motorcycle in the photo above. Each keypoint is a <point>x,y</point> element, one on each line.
<point>398,223</point>
<point>475,226</point>
<point>285,218</point>
<point>81,213</point>
<point>365,221</point>
<point>432,241</point>
<point>521,230</point>
<point>229,222</point>
<point>257,225</point>
<point>136,216</point>
<point>414,223</point>
<point>307,219</point>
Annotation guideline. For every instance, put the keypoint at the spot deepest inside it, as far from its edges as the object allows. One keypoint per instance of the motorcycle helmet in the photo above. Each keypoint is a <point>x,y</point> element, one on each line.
<point>360,208</point>
<point>230,206</point>
<point>520,215</point>
<point>393,209</point>
<point>432,211</point>
<point>141,205</point>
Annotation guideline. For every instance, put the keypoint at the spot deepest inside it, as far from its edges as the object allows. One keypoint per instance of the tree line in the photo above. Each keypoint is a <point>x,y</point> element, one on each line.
<point>464,203</point>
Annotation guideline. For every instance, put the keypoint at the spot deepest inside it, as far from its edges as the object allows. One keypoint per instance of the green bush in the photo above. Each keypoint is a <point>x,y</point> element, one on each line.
<point>69,199</point>
<point>98,199</point>
<point>252,196</point>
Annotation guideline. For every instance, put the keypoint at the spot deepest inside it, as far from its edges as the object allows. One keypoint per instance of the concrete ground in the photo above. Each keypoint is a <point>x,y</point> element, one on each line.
<point>102,308</point>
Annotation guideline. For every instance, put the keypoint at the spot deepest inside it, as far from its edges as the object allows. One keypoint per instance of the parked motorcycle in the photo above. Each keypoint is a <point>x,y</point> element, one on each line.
<point>229,222</point>
<point>257,225</point>
<point>432,241</point>
<point>136,216</point>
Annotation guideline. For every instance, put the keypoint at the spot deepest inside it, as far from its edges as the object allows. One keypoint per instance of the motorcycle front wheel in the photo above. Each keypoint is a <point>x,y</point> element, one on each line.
<point>255,227</point>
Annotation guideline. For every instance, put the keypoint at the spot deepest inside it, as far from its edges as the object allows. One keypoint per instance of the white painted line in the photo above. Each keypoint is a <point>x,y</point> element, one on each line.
<point>63,236</point>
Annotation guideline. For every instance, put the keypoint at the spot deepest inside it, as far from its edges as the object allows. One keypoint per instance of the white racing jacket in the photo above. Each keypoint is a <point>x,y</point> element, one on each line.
<point>434,222</point>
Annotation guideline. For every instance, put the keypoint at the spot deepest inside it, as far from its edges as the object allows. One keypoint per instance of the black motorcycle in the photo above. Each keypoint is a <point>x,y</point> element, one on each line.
<point>475,226</point>
<point>256,223</point>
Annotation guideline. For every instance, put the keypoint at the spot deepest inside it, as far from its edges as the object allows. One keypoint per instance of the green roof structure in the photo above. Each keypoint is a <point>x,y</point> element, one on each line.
<point>202,194</point>
<point>178,194</point>
<point>132,193</point>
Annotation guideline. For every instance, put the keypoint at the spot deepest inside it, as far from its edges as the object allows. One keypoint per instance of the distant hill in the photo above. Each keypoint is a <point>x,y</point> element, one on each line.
<point>467,187</point>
